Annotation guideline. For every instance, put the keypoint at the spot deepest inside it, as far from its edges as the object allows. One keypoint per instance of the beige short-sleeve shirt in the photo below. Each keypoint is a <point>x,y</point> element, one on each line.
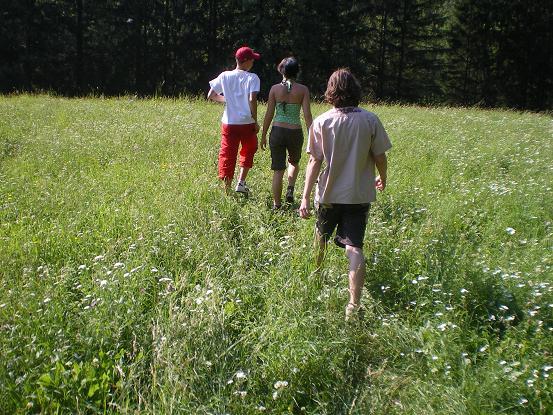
<point>346,139</point>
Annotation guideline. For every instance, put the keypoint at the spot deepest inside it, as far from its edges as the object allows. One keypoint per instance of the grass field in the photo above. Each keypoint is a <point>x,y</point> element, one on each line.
<point>130,284</point>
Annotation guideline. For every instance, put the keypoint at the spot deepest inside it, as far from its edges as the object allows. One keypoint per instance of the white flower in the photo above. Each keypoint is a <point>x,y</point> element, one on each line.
<point>281,384</point>
<point>464,291</point>
<point>118,265</point>
<point>240,375</point>
<point>103,283</point>
<point>522,401</point>
<point>98,258</point>
<point>510,231</point>
<point>82,267</point>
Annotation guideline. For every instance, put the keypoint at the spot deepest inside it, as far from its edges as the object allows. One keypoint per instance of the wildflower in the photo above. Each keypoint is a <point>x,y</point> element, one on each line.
<point>510,231</point>
<point>82,267</point>
<point>98,258</point>
<point>281,384</point>
<point>240,375</point>
<point>522,401</point>
<point>464,291</point>
<point>103,283</point>
<point>118,265</point>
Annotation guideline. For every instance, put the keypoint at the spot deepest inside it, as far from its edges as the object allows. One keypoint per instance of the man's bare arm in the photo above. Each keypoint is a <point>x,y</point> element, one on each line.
<point>381,162</point>
<point>214,96</point>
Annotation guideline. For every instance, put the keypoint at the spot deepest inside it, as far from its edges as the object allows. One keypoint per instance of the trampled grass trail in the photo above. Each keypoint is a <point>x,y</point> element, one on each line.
<point>130,284</point>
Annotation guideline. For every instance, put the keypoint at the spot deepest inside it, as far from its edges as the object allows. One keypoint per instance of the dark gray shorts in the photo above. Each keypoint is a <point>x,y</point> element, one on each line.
<point>281,140</point>
<point>350,221</point>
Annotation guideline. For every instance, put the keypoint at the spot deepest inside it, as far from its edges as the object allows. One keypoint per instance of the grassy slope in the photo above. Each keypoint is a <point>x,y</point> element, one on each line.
<point>127,280</point>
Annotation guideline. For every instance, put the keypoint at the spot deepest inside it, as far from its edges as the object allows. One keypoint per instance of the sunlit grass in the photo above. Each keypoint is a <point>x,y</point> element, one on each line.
<point>130,283</point>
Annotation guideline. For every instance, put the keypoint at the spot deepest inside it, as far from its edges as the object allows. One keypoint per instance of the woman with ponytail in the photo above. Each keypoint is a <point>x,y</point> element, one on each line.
<point>286,98</point>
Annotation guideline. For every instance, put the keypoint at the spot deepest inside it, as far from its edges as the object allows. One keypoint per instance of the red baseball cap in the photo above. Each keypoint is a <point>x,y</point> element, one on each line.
<point>246,53</point>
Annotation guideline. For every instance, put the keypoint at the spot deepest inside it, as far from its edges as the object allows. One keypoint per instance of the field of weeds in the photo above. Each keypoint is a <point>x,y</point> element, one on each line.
<point>129,283</point>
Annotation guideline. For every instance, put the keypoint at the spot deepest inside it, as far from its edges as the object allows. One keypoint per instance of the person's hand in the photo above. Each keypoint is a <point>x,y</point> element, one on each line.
<point>380,183</point>
<point>263,142</point>
<point>304,208</point>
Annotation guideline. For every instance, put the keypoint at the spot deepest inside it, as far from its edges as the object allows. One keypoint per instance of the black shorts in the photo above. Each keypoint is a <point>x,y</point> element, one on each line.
<point>350,220</point>
<point>282,139</point>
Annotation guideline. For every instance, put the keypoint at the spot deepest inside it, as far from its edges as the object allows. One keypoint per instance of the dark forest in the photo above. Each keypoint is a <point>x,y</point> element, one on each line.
<point>490,53</point>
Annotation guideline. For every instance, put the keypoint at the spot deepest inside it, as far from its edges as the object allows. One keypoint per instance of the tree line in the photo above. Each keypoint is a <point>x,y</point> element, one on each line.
<point>464,52</point>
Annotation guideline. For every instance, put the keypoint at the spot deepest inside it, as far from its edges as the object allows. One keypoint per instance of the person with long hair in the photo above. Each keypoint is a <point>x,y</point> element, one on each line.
<point>350,141</point>
<point>286,98</point>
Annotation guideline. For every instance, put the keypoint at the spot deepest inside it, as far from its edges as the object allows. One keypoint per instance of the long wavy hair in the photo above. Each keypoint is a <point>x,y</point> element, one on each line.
<point>343,89</point>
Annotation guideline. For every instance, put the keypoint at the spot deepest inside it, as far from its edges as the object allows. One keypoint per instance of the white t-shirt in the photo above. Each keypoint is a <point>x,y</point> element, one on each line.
<point>236,86</point>
<point>346,139</point>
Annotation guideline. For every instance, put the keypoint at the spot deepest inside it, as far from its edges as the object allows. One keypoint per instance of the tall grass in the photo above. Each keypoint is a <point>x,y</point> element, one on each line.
<point>130,284</point>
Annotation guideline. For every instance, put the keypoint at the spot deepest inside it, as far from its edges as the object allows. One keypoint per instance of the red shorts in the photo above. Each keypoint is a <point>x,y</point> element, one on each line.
<point>232,135</point>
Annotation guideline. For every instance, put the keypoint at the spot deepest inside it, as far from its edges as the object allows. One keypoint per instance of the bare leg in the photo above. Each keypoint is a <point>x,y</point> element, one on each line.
<point>227,181</point>
<point>277,187</point>
<point>356,273</point>
<point>320,248</point>
<point>243,173</point>
<point>292,174</point>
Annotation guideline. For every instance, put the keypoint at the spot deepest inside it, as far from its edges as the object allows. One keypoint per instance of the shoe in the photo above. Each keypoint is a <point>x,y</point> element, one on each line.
<point>352,311</point>
<point>290,195</point>
<point>242,188</point>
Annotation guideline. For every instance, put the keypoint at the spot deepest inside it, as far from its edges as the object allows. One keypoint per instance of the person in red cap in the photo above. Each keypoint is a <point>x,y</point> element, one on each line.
<point>238,90</point>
